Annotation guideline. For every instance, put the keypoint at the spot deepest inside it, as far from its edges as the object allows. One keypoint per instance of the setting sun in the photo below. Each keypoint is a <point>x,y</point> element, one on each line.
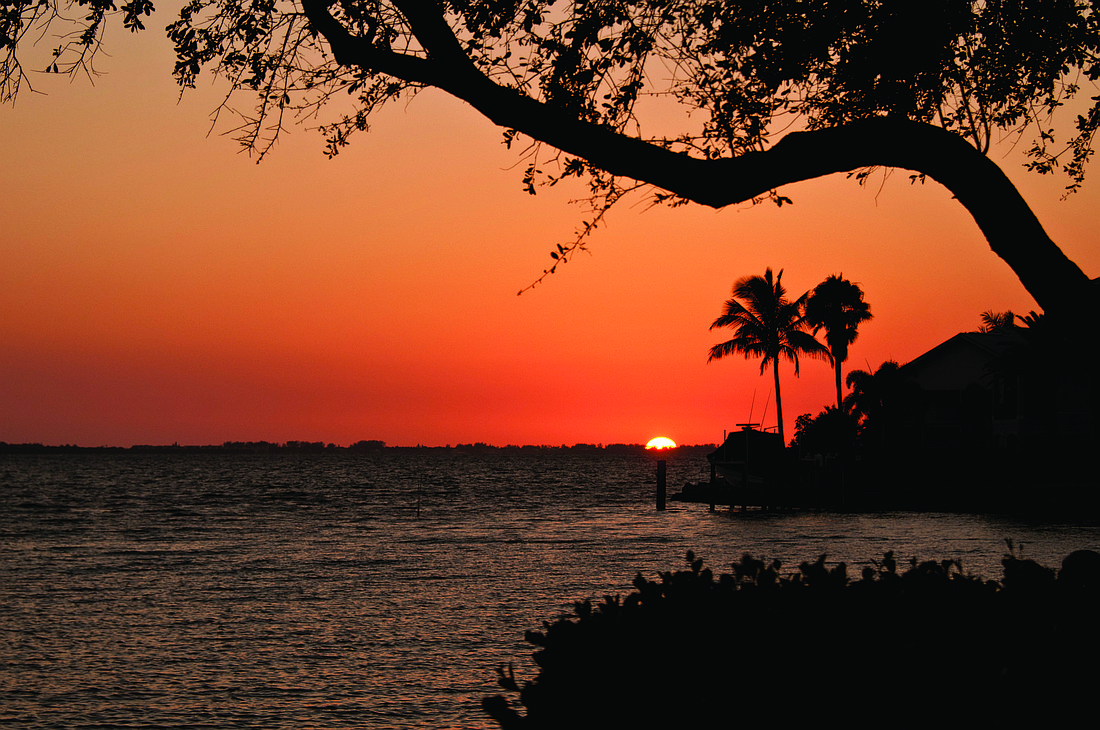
<point>661,443</point>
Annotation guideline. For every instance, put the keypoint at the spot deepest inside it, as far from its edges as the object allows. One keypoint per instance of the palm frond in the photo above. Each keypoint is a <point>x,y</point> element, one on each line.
<point>738,346</point>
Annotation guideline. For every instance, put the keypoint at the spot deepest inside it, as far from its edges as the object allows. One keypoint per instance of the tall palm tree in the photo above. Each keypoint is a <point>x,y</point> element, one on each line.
<point>767,325</point>
<point>837,305</point>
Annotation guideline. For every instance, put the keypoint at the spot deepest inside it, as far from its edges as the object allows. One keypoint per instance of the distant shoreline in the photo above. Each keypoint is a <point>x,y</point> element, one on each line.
<point>364,447</point>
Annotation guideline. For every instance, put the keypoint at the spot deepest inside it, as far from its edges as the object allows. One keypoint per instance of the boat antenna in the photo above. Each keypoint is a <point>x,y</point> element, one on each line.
<point>766,404</point>
<point>752,403</point>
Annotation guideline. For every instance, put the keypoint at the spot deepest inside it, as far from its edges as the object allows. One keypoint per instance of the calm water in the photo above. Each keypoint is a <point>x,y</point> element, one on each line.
<point>348,591</point>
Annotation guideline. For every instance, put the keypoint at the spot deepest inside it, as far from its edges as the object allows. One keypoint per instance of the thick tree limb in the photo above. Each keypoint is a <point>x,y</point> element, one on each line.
<point>354,51</point>
<point>1004,217</point>
<point>1009,225</point>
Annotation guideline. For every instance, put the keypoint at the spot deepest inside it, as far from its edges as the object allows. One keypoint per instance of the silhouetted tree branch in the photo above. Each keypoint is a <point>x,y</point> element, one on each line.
<point>1009,225</point>
<point>922,87</point>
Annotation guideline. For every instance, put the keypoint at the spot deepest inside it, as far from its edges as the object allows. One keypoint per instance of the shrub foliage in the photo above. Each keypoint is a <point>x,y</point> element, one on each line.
<point>892,646</point>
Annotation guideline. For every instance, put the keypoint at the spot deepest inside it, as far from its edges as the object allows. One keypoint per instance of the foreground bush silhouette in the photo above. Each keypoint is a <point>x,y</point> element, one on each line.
<point>887,649</point>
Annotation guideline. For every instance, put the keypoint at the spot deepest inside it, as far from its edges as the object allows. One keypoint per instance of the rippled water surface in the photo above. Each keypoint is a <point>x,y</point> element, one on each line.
<point>339,590</point>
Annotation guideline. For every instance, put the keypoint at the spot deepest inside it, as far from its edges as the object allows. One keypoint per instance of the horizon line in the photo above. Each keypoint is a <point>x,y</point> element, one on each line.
<point>362,445</point>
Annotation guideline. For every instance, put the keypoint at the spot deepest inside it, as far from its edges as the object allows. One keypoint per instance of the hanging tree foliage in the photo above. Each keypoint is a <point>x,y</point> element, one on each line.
<point>762,94</point>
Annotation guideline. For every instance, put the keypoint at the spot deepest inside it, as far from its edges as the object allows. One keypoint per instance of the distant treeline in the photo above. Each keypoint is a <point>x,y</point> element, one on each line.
<point>371,446</point>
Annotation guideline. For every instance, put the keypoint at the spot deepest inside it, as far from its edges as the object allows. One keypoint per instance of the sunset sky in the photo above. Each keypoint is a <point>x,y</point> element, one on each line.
<point>157,286</point>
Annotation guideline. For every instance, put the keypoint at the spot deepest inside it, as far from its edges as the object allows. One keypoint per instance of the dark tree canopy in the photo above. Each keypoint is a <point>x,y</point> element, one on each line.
<point>756,94</point>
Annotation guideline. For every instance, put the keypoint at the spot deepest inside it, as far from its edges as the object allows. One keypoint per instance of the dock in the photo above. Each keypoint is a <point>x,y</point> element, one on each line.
<point>771,495</point>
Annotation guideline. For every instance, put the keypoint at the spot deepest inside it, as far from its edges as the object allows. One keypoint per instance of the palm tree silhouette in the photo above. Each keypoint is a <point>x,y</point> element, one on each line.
<point>992,320</point>
<point>768,326</point>
<point>881,401</point>
<point>837,305</point>
<point>872,393</point>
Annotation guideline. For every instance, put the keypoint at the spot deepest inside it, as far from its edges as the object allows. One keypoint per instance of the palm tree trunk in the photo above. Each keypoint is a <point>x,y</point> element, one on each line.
<point>839,394</point>
<point>778,401</point>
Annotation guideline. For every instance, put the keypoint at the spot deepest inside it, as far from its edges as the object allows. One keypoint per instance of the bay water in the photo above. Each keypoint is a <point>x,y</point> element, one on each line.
<point>349,590</point>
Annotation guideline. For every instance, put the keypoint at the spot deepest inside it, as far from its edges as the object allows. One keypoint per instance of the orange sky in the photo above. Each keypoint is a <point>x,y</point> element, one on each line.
<point>159,287</point>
